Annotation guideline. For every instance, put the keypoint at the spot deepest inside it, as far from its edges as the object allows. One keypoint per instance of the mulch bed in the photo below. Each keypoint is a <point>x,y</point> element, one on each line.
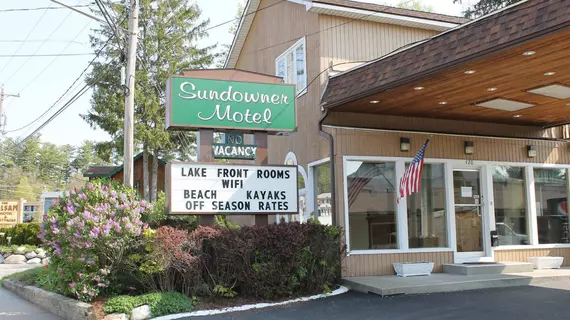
<point>98,307</point>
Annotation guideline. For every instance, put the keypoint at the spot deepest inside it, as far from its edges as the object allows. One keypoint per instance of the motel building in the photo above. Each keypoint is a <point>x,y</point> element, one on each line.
<point>374,82</point>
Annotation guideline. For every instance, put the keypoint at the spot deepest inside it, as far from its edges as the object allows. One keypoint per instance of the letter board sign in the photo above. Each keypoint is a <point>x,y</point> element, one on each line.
<point>193,103</point>
<point>196,188</point>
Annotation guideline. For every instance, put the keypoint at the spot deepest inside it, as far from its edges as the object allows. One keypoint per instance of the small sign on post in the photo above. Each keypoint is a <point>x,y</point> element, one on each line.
<point>196,188</point>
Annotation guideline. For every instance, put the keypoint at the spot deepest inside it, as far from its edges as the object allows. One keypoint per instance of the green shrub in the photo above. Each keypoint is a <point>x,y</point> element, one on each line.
<point>158,217</point>
<point>22,234</point>
<point>5,250</point>
<point>160,303</point>
<point>28,277</point>
<point>121,304</point>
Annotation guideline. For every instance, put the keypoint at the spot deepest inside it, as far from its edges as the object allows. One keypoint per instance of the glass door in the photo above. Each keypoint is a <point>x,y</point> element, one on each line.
<point>468,214</point>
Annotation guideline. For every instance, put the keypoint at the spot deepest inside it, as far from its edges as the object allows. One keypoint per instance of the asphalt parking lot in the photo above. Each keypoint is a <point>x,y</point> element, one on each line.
<point>550,301</point>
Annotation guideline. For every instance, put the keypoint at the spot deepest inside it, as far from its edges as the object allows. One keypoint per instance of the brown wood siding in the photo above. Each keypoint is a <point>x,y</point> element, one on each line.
<point>345,40</point>
<point>273,31</point>
<point>521,255</point>
<point>353,142</point>
<point>381,264</point>
<point>138,175</point>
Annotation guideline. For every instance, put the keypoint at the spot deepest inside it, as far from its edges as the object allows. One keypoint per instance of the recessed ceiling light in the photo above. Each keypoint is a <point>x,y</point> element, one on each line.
<point>517,116</point>
<point>374,101</point>
<point>470,72</point>
<point>550,73</point>
<point>491,89</point>
<point>504,104</point>
<point>443,102</point>
<point>528,53</point>
<point>568,104</point>
<point>418,88</point>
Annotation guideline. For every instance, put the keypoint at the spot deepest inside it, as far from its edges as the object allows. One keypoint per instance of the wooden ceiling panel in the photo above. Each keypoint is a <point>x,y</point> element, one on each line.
<point>509,71</point>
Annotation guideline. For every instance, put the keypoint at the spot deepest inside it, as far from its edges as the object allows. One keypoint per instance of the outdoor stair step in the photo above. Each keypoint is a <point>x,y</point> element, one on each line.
<point>468,269</point>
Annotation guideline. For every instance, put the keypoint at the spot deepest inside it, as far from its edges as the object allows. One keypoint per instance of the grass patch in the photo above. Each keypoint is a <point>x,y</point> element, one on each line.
<point>27,277</point>
<point>11,249</point>
<point>160,303</point>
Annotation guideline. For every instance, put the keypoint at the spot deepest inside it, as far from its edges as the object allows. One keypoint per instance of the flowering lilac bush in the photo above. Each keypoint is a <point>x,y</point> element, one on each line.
<point>89,233</point>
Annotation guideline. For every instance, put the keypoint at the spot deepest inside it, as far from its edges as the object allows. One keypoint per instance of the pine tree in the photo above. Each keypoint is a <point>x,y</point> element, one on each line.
<point>484,7</point>
<point>169,31</point>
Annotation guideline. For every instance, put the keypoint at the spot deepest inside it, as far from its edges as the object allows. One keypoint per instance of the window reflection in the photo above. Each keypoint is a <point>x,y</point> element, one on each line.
<point>551,205</point>
<point>509,191</point>
<point>371,205</point>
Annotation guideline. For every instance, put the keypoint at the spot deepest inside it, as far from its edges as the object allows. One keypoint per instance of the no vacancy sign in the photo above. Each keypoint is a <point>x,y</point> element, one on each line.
<point>196,188</point>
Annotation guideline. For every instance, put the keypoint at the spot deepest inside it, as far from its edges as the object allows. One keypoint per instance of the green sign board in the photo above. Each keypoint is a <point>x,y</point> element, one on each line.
<point>203,103</point>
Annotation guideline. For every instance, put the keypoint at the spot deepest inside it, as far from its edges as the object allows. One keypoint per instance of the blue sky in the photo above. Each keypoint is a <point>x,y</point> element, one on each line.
<point>41,80</point>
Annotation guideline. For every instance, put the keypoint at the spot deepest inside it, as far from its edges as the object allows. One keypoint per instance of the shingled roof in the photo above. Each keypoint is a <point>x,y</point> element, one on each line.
<point>101,171</point>
<point>394,10</point>
<point>490,34</point>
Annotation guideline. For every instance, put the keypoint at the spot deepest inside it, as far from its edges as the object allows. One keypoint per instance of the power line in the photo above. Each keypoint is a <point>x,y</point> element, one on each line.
<point>51,62</point>
<point>27,37</point>
<point>46,55</point>
<point>42,8</point>
<point>66,91</point>
<point>42,40</point>
<point>38,48</point>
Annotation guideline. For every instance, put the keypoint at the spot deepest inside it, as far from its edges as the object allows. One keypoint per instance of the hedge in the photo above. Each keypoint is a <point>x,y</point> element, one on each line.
<point>22,234</point>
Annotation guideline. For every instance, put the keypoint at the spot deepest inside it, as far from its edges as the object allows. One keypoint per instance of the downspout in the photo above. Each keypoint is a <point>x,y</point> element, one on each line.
<point>332,165</point>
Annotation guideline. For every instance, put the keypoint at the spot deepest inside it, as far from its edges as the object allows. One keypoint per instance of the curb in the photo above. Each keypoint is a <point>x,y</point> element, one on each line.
<point>246,307</point>
<point>64,307</point>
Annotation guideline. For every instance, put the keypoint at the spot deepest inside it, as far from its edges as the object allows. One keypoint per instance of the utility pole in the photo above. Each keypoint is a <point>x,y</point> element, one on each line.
<point>3,95</point>
<point>130,98</point>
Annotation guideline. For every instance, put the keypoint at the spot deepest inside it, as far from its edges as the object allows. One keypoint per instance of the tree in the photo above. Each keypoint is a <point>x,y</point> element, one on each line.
<point>415,5</point>
<point>87,156</point>
<point>484,7</point>
<point>232,30</point>
<point>25,190</point>
<point>169,30</point>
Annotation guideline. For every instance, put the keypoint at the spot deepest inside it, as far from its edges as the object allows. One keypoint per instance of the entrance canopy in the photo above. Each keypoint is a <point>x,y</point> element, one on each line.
<point>509,67</point>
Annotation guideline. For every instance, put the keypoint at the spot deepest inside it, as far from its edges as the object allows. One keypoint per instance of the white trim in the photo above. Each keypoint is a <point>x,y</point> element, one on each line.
<point>246,15</point>
<point>531,247</point>
<point>431,38</point>
<point>401,210</point>
<point>532,223</point>
<point>392,251</point>
<point>311,186</point>
<point>200,313</point>
<point>293,49</point>
<point>487,205</point>
<point>381,16</point>
<point>443,134</point>
<point>345,202</point>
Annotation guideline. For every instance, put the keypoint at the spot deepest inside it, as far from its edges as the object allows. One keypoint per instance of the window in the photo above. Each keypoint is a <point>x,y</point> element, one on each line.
<point>551,204</point>
<point>291,65</point>
<point>322,178</point>
<point>509,191</point>
<point>427,223</point>
<point>371,203</point>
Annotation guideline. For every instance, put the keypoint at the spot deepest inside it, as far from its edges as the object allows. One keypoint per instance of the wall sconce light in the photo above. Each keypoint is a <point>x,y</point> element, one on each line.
<point>404,144</point>
<point>531,151</point>
<point>469,148</point>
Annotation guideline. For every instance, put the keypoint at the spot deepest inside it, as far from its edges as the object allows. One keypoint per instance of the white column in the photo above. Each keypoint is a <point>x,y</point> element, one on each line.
<point>450,206</point>
<point>531,206</point>
<point>401,209</point>
<point>488,208</point>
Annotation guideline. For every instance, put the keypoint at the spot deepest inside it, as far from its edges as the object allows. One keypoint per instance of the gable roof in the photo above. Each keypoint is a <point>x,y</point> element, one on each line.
<point>496,31</point>
<point>345,8</point>
<point>109,171</point>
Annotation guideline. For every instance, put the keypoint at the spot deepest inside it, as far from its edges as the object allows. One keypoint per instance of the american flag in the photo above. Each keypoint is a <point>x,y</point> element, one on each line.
<point>410,181</point>
<point>359,181</point>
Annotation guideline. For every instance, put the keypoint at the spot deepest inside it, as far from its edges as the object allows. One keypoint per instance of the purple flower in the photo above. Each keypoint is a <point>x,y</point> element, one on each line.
<point>90,261</point>
<point>72,285</point>
<point>123,197</point>
<point>104,272</point>
<point>90,187</point>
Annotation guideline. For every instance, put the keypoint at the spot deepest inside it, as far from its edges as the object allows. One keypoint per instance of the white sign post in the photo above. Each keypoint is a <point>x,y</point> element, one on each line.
<point>196,188</point>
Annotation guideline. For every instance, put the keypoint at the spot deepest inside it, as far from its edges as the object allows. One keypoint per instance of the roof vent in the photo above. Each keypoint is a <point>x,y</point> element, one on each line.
<point>504,104</point>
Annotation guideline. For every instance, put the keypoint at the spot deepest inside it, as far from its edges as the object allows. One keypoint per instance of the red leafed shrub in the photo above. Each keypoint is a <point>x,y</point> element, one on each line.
<point>267,262</point>
<point>274,261</point>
